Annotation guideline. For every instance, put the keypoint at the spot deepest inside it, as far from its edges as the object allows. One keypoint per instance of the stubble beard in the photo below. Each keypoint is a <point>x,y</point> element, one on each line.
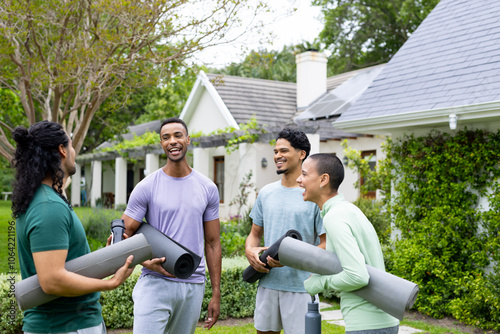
<point>281,171</point>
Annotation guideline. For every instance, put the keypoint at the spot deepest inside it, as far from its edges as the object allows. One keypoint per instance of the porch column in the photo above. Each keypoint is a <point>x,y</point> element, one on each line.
<point>120,181</point>
<point>314,140</point>
<point>76,179</point>
<point>95,192</point>
<point>201,160</point>
<point>152,163</point>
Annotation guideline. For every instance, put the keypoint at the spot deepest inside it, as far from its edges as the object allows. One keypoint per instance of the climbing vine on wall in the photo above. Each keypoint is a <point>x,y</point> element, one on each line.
<point>445,205</point>
<point>448,235</point>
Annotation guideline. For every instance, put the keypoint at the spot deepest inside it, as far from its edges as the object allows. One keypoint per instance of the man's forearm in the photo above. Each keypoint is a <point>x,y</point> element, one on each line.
<point>214,264</point>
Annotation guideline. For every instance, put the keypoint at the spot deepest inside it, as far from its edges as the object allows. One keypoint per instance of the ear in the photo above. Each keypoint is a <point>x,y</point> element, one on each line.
<point>302,155</point>
<point>62,151</point>
<point>188,140</point>
<point>325,179</point>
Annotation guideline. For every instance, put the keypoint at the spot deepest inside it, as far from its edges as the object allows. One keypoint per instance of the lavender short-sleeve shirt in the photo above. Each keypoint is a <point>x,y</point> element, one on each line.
<point>177,207</point>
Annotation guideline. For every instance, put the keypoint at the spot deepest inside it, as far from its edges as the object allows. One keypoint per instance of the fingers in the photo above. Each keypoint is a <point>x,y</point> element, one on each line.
<point>155,265</point>
<point>108,241</point>
<point>273,263</point>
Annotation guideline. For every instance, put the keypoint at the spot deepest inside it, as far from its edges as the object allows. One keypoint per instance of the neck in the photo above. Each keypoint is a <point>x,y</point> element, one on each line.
<point>289,179</point>
<point>177,168</point>
<point>324,198</point>
<point>48,181</point>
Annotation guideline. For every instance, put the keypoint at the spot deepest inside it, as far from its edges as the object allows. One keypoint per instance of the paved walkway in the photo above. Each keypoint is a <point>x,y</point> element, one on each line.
<point>335,317</point>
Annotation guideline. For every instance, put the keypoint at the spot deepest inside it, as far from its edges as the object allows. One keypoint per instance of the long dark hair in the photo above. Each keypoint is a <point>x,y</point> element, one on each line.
<point>36,156</point>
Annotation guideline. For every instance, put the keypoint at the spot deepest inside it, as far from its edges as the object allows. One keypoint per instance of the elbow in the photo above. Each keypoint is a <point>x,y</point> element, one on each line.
<point>49,288</point>
<point>51,285</point>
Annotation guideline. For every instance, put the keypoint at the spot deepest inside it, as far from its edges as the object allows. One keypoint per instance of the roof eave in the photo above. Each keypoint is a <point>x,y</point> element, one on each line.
<point>433,117</point>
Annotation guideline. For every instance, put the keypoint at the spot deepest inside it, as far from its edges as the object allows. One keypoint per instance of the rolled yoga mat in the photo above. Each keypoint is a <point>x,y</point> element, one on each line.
<point>251,275</point>
<point>99,264</point>
<point>388,292</point>
<point>179,260</point>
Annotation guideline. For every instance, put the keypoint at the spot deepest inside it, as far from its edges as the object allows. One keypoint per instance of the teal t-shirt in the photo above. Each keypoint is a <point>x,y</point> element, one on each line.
<point>279,209</point>
<point>50,224</point>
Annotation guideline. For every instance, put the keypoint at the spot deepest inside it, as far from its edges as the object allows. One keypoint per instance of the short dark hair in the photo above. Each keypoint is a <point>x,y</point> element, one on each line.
<point>37,156</point>
<point>175,120</point>
<point>330,164</point>
<point>297,139</point>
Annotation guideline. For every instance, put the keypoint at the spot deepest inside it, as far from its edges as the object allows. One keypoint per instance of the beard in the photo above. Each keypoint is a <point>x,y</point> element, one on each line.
<point>281,171</point>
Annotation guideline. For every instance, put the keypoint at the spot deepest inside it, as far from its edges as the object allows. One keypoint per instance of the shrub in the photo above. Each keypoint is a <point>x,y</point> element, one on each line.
<point>232,242</point>
<point>237,296</point>
<point>11,320</point>
<point>377,215</point>
<point>446,236</point>
<point>97,225</point>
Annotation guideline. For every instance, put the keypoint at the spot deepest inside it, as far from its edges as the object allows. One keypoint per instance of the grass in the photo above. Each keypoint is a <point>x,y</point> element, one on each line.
<point>5,221</point>
<point>328,328</point>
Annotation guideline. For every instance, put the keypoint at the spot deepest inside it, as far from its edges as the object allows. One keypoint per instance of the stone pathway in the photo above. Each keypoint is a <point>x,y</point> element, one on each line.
<point>335,317</point>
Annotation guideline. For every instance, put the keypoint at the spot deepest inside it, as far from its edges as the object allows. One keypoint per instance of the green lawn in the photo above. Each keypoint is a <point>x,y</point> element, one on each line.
<point>6,239</point>
<point>327,328</point>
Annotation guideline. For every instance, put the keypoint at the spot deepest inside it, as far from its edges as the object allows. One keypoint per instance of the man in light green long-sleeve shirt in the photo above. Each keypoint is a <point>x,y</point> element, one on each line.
<point>352,237</point>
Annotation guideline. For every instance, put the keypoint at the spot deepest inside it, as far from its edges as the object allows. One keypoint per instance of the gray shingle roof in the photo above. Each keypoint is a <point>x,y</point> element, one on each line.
<point>452,59</point>
<point>273,103</point>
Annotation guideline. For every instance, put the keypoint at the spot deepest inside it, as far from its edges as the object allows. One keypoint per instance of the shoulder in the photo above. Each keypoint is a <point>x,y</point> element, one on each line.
<point>270,188</point>
<point>202,179</point>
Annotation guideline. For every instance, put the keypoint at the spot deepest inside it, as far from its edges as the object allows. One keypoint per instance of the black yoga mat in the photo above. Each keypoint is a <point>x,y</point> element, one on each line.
<point>251,275</point>
<point>179,260</point>
<point>99,264</point>
<point>390,293</point>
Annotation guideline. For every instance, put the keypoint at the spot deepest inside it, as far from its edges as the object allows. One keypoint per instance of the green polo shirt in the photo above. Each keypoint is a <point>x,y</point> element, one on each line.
<point>352,237</point>
<point>50,224</point>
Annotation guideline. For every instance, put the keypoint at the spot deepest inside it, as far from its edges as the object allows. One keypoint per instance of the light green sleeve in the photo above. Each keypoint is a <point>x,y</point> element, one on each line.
<point>341,240</point>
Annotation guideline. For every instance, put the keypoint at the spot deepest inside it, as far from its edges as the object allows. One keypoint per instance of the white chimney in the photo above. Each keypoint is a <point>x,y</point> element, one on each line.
<point>311,77</point>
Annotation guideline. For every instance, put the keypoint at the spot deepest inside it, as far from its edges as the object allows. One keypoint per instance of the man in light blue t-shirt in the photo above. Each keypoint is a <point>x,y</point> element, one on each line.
<point>183,204</point>
<point>281,301</point>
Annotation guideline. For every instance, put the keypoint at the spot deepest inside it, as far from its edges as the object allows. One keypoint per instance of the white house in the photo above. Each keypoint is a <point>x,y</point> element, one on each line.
<point>217,102</point>
<point>445,77</point>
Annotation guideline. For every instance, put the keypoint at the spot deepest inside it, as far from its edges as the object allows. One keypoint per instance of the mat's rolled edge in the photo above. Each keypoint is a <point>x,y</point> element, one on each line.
<point>98,264</point>
<point>306,257</point>
<point>166,248</point>
<point>250,275</point>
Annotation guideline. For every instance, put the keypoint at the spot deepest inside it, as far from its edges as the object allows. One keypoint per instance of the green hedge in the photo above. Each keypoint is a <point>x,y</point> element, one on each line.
<point>237,299</point>
<point>446,207</point>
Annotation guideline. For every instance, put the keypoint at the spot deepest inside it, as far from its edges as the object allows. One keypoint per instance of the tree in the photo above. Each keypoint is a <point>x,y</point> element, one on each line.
<point>362,33</point>
<point>63,59</point>
<point>269,64</point>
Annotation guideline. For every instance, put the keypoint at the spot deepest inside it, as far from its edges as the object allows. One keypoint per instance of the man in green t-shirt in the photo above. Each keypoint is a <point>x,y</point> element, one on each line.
<point>49,234</point>
<point>352,237</point>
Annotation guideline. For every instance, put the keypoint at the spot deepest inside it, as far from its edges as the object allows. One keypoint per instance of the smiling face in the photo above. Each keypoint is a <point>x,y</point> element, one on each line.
<point>174,141</point>
<point>287,158</point>
<point>310,181</point>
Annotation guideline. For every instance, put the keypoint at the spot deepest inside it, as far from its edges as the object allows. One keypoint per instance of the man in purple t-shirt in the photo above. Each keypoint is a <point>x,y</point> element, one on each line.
<point>183,204</point>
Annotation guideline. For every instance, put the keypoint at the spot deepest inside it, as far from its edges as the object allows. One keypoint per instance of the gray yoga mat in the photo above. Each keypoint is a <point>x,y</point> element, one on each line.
<point>251,275</point>
<point>99,264</point>
<point>388,292</point>
<point>179,260</point>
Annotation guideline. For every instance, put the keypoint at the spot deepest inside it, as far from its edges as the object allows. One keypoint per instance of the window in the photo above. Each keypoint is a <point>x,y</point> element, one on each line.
<point>372,161</point>
<point>219,176</point>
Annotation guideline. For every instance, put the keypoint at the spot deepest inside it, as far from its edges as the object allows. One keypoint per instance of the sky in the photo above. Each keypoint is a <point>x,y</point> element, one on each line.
<point>288,27</point>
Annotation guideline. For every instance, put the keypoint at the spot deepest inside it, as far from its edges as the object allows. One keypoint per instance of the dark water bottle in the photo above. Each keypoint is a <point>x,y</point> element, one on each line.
<point>117,230</point>
<point>313,319</point>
